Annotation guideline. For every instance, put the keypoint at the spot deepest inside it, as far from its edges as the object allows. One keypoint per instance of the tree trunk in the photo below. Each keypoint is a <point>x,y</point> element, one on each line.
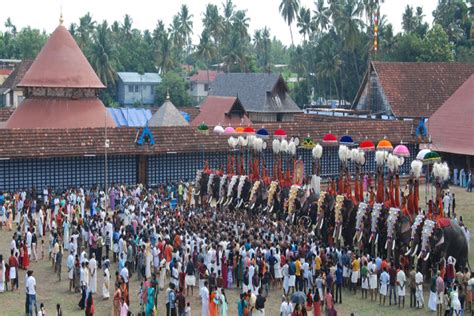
<point>356,66</point>
<point>337,89</point>
<point>291,33</point>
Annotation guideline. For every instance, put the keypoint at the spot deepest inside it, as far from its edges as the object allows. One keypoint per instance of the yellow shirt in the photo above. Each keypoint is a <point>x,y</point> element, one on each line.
<point>298,268</point>
<point>318,263</point>
<point>355,265</point>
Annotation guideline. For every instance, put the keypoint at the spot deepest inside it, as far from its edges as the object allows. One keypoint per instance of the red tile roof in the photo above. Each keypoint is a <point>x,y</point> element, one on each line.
<point>5,113</point>
<point>5,72</point>
<point>60,113</point>
<point>202,76</point>
<point>451,127</point>
<point>215,110</point>
<point>419,89</point>
<point>33,143</point>
<point>61,63</point>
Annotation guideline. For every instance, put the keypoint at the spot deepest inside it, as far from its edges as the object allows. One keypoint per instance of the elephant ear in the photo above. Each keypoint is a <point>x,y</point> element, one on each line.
<point>438,237</point>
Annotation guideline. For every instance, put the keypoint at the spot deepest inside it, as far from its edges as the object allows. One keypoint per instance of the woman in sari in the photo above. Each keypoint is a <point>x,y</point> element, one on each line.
<point>150,304</point>
<point>213,303</point>
<point>117,301</point>
<point>224,272</point>
<point>9,217</point>
<point>316,304</point>
<point>223,308</point>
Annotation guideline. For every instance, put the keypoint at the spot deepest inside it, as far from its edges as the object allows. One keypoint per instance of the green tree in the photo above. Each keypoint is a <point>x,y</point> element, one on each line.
<point>304,22</point>
<point>329,65</point>
<point>289,10</point>
<point>321,16</point>
<point>177,88</point>
<point>84,31</point>
<point>408,20</point>
<point>103,55</point>
<point>186,25</point>
<point>436,46</point>
<point>29,42</point>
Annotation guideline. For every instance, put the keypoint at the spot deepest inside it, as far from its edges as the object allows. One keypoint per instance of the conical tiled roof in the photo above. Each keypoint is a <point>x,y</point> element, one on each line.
<point>167,115</point>
<point>61,64</point>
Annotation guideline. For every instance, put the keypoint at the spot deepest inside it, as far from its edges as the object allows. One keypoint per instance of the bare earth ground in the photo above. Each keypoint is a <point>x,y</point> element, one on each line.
<point>50,291</point>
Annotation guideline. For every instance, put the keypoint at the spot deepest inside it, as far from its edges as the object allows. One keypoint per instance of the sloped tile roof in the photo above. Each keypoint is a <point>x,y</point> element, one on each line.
<point>17,75</point>
<point>204,76</point>
<point>33,143</point>
<point>420,88</point>
<point>61,63</point>
<point>214,111</point>
<point>5,113</point>
<point>167,115</point>
<point>452,126</point>
<point>254,90</point>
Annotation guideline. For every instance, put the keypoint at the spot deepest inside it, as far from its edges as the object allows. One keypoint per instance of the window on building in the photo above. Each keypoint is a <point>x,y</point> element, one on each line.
<point>130,88</point>
<point>206,87</point>
<point>136,88</point>
<point>279,117</point>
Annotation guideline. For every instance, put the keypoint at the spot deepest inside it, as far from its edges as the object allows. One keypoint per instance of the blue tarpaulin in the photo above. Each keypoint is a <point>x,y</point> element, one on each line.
<point>130,117</point>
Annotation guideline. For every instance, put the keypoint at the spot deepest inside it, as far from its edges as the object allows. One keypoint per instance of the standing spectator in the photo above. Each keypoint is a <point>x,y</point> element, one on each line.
<point>446,204</point>
<point>90,305</point>
<point>401,282</point>
<point>420,301</point>
<point>13,265</point>
<point>384,283</point>
<point>181,303</point>
<point>260,304</point>
<point>339,280</point>
<point>412,281</point>
<point>393,284</point>
<point>440,291</point>
<point>31,292</point>
<point>286,309</point>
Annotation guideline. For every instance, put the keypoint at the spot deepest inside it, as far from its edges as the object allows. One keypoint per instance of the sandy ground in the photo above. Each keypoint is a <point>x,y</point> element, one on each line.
<point>50,291</point>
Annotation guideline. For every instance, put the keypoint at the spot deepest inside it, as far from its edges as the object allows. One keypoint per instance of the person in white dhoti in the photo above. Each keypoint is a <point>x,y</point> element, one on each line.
<point>162,274</point>
<point>401,284</point>
<point>70,269</point>
<point>286,278</point>
<point>93,274</point>
<point>373,279</point>
<point>251,273</point>
<point>106,284</point>
<point>2,275</point>
<point>420,301</point>
<point>204,294</point>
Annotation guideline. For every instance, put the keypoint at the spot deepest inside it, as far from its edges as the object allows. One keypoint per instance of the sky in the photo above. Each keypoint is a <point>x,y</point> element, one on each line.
<point>44,14</point>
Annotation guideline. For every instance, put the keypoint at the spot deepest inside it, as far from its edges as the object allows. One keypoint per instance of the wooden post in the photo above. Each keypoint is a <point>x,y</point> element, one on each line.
<point>142,165</point>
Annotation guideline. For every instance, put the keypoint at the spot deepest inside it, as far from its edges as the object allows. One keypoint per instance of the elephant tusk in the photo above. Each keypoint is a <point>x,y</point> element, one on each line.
<point>377,239</point>
<point>393,245</point>
<point>419,256</point>
<point>427,256</point>
<point>360,236</point>
<point>198,193</point>
<point>371,237</point>
<point>416,249</point>
<point>340,233</point>
<point>322,222</point>
<point>334,233</point>
<point>271,209</point>
<point>408,252</point>
<point>355,236</point>
<point>386,243</point>
<point>253,205</point>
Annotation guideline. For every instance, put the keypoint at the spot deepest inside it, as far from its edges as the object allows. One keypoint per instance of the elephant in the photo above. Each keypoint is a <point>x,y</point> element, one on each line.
<point>258,195</point>
<point>202,180</point>
<point>213,189</point>
<point>231,191</point>
<point>415,235</point>
<point>223,183</point>
<point>325,220</point>
<point>362,225</point>
<point>442,241</point>
<point>243,191</point>
<point>349,212</point>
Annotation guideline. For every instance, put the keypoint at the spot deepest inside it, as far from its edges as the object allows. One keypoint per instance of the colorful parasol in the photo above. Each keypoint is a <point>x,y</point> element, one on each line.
<point>329,139</point>
<point>384,144</point>
<point>229,130</point>
<point>367,145</point>
<point>239,130</point>
<point>401,151</point>
<point>262,133</point>
<point>279,133</point>
<point>421,154</point>
<point>218,129</point>
<point>346,140</point>
<point>249,130</point>
<point>432,156</point>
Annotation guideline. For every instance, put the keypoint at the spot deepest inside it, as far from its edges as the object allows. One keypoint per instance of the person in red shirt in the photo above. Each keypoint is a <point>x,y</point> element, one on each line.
<point>13,265</point>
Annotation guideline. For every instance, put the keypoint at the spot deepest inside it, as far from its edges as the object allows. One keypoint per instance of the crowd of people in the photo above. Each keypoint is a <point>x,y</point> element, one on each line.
<point>135,235</point>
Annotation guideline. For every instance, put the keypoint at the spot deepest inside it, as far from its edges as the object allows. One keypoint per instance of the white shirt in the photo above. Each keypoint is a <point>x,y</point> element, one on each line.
<point>124,274</point>
<point>419,280</point>
<point>286,309</point>
<point>401,278</point>
<point>30,285</point>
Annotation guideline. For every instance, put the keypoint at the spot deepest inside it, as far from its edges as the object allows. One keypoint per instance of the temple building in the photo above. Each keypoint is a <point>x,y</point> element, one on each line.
<point>60,89</point>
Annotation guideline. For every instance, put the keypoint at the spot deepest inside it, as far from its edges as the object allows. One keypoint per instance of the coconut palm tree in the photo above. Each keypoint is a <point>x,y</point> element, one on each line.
<point>240,23</point>
<point>186,24</point>
<point>321,16</point>
<point>304,22</point>
<point>102,55</point>
<point>289,10</point>
<point>348,25</point>
<point>85,30</point>
<point>206,50</point>
<point>212,21</point>
<point>329,65</point>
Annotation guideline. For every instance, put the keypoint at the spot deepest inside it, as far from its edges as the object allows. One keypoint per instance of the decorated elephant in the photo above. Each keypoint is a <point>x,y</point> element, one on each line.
<point>362,226</point>
<point>223,184</point>
<point>243,191</point>
<point>201,186</point>
<point>377,224</point>
<point>258,196</point>
<point>231,191</point>
<point>337,233</point>
<point>349,213</point>
<point>443,239</point>
<point>415,235</point>
<point>213,189</point>
<point>325,216</point>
